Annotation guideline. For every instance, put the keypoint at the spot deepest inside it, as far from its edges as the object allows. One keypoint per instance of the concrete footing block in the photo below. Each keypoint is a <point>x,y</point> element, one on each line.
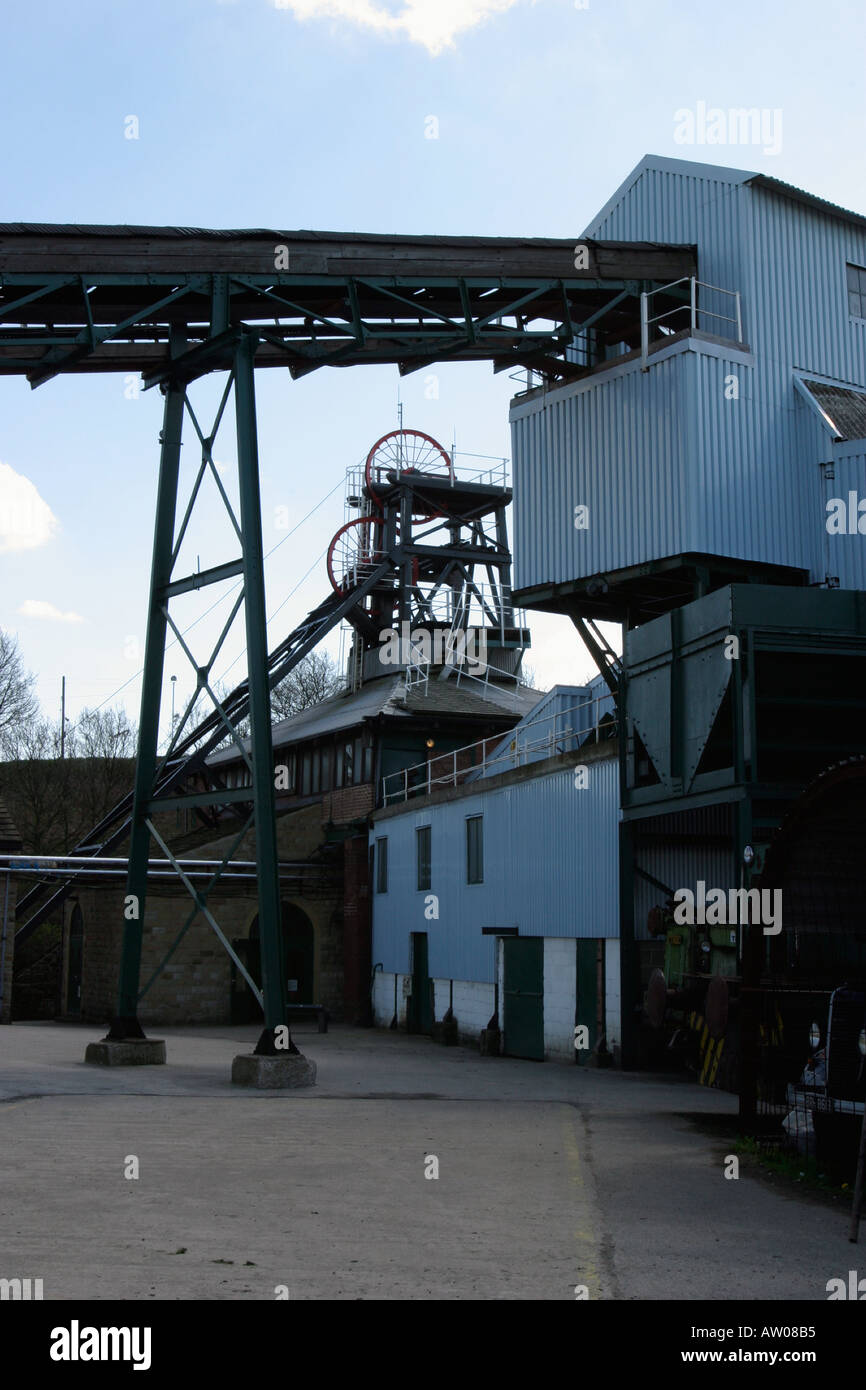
<point>273,1073</point>
<point>132,1052</point>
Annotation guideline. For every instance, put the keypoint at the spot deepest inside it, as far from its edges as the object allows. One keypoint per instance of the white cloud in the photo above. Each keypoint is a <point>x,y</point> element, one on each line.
<point>433,23</point>
<point>26,520</point>
<point>38,608</point>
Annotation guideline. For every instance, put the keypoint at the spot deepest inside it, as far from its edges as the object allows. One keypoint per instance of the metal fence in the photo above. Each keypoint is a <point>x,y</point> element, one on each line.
<point>808,1092</point>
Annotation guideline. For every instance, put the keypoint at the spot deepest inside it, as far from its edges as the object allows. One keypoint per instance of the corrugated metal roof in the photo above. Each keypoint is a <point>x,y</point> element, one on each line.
<point>387,696</point>
<point>799,195</point>
<point>845,408</point>
<point>696,169</point>
<point>123,229</point>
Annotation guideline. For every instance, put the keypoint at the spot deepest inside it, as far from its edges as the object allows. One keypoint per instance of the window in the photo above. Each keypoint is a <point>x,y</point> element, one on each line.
<point>305,773</point>
<point>284,772</point>
<point>857,291</point>
<point>474,850</point>
<point>382,865</point>
<point>348,764</point>
<point>326,767</point>
<point>357,767</point>
<point>422,850</point>
<point>315,785</point>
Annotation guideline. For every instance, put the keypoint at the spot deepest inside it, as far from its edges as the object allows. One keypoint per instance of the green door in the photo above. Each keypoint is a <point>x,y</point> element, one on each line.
<point>524,997</point>
<point>587,994</point>
<point>419,1007</point>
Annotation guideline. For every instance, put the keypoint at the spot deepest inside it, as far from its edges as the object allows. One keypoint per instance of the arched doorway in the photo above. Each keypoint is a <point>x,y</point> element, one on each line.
<point>299,955</point>
<point>298,947</point>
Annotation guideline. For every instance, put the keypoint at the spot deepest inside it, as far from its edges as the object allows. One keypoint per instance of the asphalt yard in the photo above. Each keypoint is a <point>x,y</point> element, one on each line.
<point>409,1171</point>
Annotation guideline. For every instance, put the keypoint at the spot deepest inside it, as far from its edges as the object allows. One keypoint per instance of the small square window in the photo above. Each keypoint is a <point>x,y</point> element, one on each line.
<point>474,849</point>
<point>856,281</point>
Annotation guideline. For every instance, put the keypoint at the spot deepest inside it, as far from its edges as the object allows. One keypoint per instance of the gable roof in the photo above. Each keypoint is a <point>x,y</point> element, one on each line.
<point>841,407</point>
<point>690,168</point>
<point>387,696</point>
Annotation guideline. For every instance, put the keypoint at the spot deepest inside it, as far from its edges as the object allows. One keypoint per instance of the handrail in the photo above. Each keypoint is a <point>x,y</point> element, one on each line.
<point>646,319</point>
<point>424,781</point>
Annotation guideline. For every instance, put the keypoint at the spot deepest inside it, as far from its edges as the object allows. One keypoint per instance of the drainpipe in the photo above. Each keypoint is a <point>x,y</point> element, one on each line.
<point>3,942</point>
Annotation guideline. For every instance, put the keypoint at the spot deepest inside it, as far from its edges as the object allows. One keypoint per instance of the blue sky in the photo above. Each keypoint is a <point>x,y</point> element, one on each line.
<point>312,114</point>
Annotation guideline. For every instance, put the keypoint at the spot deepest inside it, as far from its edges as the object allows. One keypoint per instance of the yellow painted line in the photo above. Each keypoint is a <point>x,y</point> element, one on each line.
<point>715,1069</point>
<point>587,1241</point>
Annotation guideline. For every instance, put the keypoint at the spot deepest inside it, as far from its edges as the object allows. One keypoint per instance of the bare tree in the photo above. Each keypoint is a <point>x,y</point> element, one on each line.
<point>56,801</point>
<point>315,678</point>
<point>528,676</point>
<point>101,745</point>
<point>19,707</point>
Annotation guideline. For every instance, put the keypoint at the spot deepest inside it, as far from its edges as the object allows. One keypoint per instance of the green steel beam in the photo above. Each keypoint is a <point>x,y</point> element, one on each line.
<point>264,806</point>
<point>126,1024</point>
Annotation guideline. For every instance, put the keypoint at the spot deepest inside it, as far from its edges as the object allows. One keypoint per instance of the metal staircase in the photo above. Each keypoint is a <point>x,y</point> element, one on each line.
<point>188,756</point>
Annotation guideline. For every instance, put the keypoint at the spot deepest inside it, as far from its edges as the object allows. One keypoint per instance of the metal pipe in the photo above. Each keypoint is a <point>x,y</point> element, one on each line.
<point>644,328</point>
<point>54,861</point>
<point>41,874</point>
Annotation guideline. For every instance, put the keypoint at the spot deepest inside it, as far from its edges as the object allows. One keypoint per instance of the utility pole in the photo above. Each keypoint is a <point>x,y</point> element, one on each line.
<point>62,716</point>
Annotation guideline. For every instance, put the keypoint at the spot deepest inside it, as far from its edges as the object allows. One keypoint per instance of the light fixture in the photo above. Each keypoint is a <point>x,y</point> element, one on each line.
<point>748,855</point>
<point>431,743</point>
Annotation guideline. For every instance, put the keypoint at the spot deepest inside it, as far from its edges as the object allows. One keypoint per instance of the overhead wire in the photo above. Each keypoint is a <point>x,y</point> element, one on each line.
<point>222,598</point>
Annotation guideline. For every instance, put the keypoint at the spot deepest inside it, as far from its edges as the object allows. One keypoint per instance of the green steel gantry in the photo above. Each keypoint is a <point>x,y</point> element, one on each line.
<point>176,304</point>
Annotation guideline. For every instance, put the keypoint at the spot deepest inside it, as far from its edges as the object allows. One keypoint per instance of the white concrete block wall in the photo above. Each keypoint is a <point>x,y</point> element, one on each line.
<point>560,999</point>
<point>473,1006</point>
<point>612,995</point>
<point>474,1000</point>
<point>383,998</point>
<point>441,994</point>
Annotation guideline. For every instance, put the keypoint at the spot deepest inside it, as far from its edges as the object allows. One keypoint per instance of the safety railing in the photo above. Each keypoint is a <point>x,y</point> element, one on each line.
<point>482,606</point>
<point>590,721</point>
<point>695,312</point>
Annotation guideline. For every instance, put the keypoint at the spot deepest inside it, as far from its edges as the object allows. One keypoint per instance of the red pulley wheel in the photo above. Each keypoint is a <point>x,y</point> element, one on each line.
<point>355,550</point>
<point>406,451</point>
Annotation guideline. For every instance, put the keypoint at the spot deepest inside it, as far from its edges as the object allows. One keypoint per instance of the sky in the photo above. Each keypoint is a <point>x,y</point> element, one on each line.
<point>317,114</point>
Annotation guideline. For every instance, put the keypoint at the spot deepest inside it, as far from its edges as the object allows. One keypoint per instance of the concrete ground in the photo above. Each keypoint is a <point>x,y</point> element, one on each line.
<point>550,1177</point>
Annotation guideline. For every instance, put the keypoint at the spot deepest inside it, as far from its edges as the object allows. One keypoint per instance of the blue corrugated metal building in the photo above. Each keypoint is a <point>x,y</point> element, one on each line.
<point>702,488</point>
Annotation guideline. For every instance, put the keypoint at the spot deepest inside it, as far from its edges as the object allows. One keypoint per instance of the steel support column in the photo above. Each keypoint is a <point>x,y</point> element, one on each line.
<point>126,1024</point>
<point>270,919</point>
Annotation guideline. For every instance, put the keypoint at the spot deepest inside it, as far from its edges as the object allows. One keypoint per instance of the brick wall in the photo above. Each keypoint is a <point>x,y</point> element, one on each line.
<point>347,804</point>
<point>357,930</point>
<point>195,985</point>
